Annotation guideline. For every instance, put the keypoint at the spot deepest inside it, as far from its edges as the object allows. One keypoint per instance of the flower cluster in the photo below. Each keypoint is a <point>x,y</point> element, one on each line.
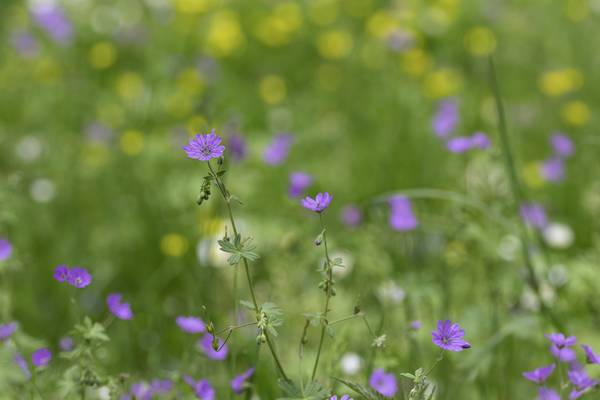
<point>75,276</point>
<point>444,123</point>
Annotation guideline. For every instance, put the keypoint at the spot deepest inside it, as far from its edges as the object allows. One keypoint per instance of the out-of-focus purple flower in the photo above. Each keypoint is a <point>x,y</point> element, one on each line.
<point>581,380</point>
<point>204,390</point>
<point>445,119</point>
<point>41,357</point>
<point>238,383</point>
<point>190,324</point>
<point>319,203</point>
<point>7,330</point>
<point>534,215</point>
<point>205,345</point>
<point>561,346</point>
<point>351,216</point>
<point>61,273</point>
<point>161,386</point>
<point>237,147</point>
<point>480,140</point>
<point>5,249</point>
<point>553,169</point>
<point>344,397</point>
<point>204,147</point>
<point>564,354</point>
<point>547,394</point>
<point>416,325</point>
<point>117,307</point>
<point>98,132</point>
<point>562,145</point>
<point>401,214</point>
<point>299,181</point>
<point>25,44</point>
<point>66,343</point>
<point>459,144</point>
<point>277,151</point>
<point>449,336</point>
<point>383,383</point>
<point>79,277</point>
<point>400,41</point>
<point>590,356</point>
<point>540,375</point>
<point>22,363</point>
<point>52,19</point>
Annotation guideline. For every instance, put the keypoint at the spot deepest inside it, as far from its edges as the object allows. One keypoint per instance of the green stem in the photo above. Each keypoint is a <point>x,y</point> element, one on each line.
<point>337,321</point>
<point>437,361</point>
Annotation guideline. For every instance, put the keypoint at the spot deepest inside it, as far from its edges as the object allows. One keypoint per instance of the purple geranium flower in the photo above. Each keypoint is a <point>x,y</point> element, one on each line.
<point>449,336</point>
<point>205,147</point>
<point>591,357</point>
<point>237,147</point>
<point>459,144</point>
<point>278,150</point>
<point>22,363</point>
<point>446,118</point>
<point>383,383</point>
<point>51,18</point>
<point>560,347</point>
<point>117,307</point>
<point>299,181</point>
<point>401,214</point>
<point>190,324</point>
<point>61,273</point>
<point>41,357</point>
<point>480,140</point>
<point>540,375</point>
<point>202,389</point>
<point>534,214</point>
<point>319,203</point>
<point>562,145</point>
<point>79,277</point>
<point>161,386</point>
<point>547,394</point>
<point>6,330</point>
<point>581,380</point>
<point>553,169</point>
<point>351,216</point>
<point>66,343</point>
<point>5,249</point>
<point>205,345</point>
<point>238,383</point>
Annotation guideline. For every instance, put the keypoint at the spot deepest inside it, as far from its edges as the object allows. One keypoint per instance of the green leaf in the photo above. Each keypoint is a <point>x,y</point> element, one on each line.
<point>365,392</point>
<point>238,249</point>
<point>312,391</point>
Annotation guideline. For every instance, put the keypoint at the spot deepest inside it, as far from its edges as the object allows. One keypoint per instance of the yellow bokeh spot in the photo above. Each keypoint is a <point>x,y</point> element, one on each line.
<point>323,12</point>
<point>480,41</point>
<point>577,10</point>
<point>276,29</point>
<point>381,24</point>
<point>575,113</point>
<point>196,123</point>
<point>415,62</point>
<point>442,83</point>
<point>191,6</point>
<point>102,55</point>
<point>532,175</point>
<point>334,44</point>
<point>129,85</point>
<point>132,142</point>
<point>173,245</point>
<point>225,34</point>
<point>272,89</point>
<point>561,81</point>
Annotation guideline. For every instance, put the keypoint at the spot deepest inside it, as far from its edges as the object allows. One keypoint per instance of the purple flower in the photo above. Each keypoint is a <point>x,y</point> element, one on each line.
<point>117,308</point>
<point>238,383</point>
<point>190,324</point>
<point>277,151</point>
<point>383,383</point>
<point>534,215</point>
<point>416,325</point>
<point>79,277</point>
<point>66,343</point>
<point>22,363</point>
<point>98,132</point>
<point>351,216</point>
<point>299,181</point>
<point>560,347</point>
<point>446,118</point>
<point>319,203</point>
<point>480,140</point>
<point>205,345</point>
<point>449,336</point>
<point>459,144</point>
<point>553,169</point>
<point>41,357</point>
<point>237,147</point>
<point>204,390</point>
<point>581,380</point>
<point>61,273</point>
<point>205,147</point>
<point>564,354</point>
<point>547,394</point>
<point>591,357</point>
<point>344,397</point>
<point>24,43</point>
<point>51,18</point>
<point>161,386</point>
<point>401,214</point>
<point>562,145</point>
<point>5,249</point>
<point>540,375</point>
<point>6,330</point>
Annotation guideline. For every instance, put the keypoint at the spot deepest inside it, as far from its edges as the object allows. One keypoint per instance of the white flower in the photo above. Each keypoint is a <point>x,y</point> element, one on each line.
<point>391,292</point>
<point>508,247</point>
<point>351,363</point>
<point>42,190</point>
<point>559,236</point>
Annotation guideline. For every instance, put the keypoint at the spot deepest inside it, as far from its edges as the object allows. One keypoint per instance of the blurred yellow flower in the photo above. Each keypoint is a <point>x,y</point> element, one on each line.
<point>191,6</point>
<point>102,55</point>
<point>450,7</point>
<point>334,44</point>
<point>442,83</point>
<point>577,10</point>
<point>532,175</point>
<point>324,12</point>
<point>225,34</point>
<point>46,70</point>
<point>173,245</point>
<point>381,24</point>
<point>272,89</point>
<point>132,142</point>
<point>575,113</point>
<point>415,62</point>
<point>480,41</point>
<point>561,81</point>
<point>358,8</point>
<point>129,85</point>
<point>277,27</point>
<point>190,80</point>
<point>196,124</point>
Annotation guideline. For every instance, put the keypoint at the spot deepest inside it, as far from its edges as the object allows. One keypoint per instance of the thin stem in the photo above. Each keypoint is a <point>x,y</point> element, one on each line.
<point>234,327</point>
<point>519,196</point>
<point>437,361</point>
<point>337,321</point>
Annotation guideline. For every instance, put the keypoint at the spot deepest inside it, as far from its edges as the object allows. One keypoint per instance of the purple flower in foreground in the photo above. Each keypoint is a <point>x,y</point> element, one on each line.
<point>449,336</point>
<point>459,144</point>
<point>205,345</point>
<point>5,249</point>
<point>401,214</point>
<point>383,383</point>
<point>79,277</point>
<point>590,356</point>
<point>277,151</point>
<point>564,354</point>
<point>540,375</point>
<point>51,18</point>
<point>534,215</point>
<point>204,147</point>
<point>553,169</point>
<point>190,324</point>
<point>117,308</point>
<point>61,273</point>
<point>351,216</point>
<point>547,394</point>
<point>299,181</point>
<point>561,346</point>
<point>238,383</point>
<point>344,397</point>
<point>237,147</point>
<point>319,203</point>
<point>22,363</point>
<point>204,390</point>
<point>41,357</point>
<point>6,330</point>
<point>562,145</point>
<point>446,118</point>
<point>66,343</point>
<point>581,380</point>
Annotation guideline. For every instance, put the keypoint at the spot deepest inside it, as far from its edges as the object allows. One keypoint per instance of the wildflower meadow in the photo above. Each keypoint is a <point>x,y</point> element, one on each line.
<point>299,199</point>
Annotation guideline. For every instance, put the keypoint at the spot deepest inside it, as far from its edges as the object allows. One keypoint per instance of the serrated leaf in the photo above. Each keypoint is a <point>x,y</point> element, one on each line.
<point>365,392</point>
